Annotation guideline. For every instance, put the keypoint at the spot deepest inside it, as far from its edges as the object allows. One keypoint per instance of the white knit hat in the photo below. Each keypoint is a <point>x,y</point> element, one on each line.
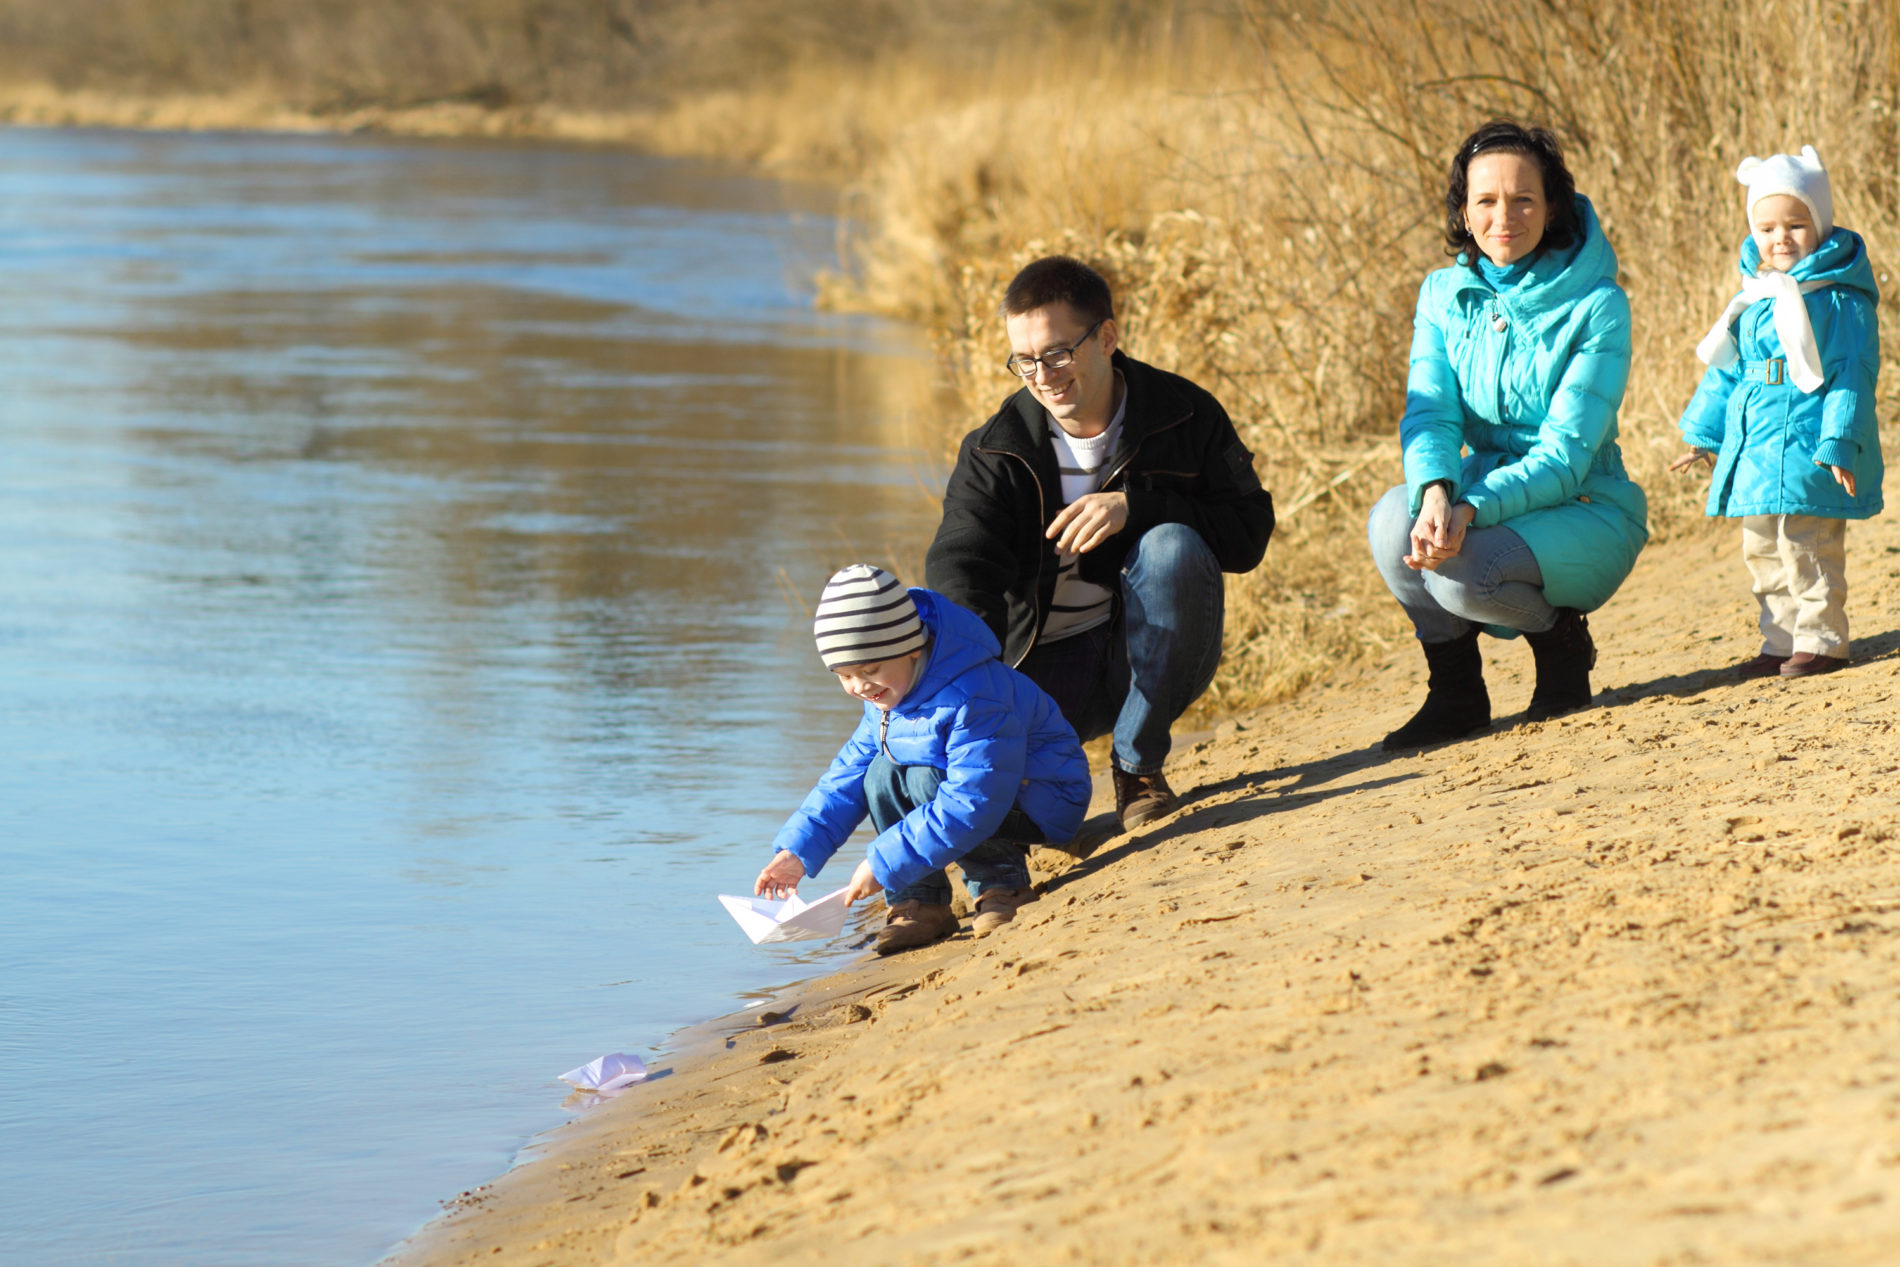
<point>1796,175</point>
<point>864,615</point>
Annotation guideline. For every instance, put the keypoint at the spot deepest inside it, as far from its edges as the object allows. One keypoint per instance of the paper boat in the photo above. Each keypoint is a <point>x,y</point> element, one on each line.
<point>793,919</point>
<point>611,1073</point>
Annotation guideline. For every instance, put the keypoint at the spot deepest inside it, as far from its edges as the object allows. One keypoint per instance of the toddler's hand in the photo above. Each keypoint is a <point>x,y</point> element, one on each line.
<point>1842,476</point>
<point>780,877</point>
<point>863,883</point>
<point>1690,458</point>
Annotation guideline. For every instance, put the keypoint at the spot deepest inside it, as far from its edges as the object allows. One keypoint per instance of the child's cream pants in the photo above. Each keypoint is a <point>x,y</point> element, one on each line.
<point>1799,565</point>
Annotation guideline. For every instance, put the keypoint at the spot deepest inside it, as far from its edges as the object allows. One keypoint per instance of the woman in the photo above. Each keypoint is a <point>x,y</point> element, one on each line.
<point>1520,353</point>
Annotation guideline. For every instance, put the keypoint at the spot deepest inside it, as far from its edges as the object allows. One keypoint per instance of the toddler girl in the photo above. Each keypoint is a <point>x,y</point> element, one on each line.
<point>1785,412</point>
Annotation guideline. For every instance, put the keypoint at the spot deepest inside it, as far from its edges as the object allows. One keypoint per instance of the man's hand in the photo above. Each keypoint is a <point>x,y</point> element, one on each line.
<point>780,877</point>
<point>1842,476</point>
<point>1440,531</point>
<point>863,883</point>
<point>1088,521</point>
<point>1690,458</point>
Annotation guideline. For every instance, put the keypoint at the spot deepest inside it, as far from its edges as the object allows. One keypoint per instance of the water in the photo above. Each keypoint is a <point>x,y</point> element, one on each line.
<point>398,650</point>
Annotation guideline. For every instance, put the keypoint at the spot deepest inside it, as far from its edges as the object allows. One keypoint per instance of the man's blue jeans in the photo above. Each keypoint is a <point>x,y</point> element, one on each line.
<point>1001,862</point>
<point>1492,580</point>
<point>1139,672</point>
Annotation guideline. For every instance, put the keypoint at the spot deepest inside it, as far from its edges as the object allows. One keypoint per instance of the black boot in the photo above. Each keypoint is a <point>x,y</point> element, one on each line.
<point>1565,655</point>
<point>1456,703</point>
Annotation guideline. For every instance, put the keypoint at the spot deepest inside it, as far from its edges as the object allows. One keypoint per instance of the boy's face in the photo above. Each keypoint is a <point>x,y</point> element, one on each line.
<point>881,682</point>
<point>1783,230</point>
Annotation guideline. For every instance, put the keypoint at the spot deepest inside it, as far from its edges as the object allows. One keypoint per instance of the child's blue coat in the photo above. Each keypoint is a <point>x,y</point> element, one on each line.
<point>999,739</point>
<point>1770,436</point>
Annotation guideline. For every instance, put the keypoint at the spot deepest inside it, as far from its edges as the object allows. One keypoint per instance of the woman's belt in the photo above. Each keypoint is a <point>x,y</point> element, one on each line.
<point>1607,460</point>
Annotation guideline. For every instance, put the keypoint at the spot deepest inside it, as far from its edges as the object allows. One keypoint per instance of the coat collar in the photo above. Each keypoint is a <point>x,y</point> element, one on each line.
<point>1556,278</point>
<point>1153,403</point>
<point>1840,261</point>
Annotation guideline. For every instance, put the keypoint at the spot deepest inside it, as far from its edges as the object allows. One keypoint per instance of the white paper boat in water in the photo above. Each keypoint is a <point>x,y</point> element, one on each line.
<point>792,919</point>
<point>611,1073</point>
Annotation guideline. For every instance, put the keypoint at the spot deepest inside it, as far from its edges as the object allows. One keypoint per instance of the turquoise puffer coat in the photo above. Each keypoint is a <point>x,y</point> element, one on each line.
<point>1768,434</point>
<point>998,738</point>
<point>1536,404</point>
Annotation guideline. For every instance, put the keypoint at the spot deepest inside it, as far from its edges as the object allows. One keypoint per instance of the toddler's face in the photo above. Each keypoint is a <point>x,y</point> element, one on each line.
<point>881,682</point>
<point>1783,230</point>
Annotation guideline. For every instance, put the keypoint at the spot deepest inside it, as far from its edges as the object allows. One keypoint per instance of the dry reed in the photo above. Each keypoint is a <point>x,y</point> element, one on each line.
<point>1261,182</point>
<point>1267,229</point>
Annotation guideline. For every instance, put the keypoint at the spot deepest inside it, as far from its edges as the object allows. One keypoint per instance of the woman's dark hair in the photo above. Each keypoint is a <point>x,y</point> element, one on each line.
<point>1506,136</point>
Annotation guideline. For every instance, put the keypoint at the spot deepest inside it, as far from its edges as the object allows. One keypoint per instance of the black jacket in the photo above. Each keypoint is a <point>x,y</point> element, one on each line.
<point>1178,460</point>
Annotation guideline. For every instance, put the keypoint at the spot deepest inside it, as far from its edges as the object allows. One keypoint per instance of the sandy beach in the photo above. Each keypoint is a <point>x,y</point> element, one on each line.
<point>1616,988</point>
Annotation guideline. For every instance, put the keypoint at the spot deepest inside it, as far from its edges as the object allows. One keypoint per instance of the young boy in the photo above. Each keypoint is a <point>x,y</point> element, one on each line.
<point>958,758</point>
<point>1786,411</point>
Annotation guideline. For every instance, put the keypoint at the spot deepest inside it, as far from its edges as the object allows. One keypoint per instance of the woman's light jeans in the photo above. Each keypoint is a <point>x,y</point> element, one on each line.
<point>1492,580</point>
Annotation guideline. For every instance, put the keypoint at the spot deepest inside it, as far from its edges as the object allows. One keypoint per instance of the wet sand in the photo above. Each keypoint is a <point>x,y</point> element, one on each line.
<point>1616,988</point>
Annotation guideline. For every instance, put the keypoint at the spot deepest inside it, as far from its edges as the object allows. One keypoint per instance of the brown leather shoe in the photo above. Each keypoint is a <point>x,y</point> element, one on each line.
<point>996,907</point>
<point>1806,664</point>
<point>913,924</point>
<point>1141,798</point>
<point>1763,665</point>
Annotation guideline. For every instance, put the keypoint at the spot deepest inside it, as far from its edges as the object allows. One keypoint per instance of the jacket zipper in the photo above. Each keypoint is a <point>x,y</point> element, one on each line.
<point>1107,479</point>
<point>1042,508</point>
<point>884,733</point>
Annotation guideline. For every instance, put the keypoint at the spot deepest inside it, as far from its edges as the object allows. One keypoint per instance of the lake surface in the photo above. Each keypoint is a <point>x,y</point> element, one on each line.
<point>406,550</point>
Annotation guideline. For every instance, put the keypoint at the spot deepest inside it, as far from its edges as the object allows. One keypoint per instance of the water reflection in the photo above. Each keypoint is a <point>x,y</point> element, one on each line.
<point>404,642</point>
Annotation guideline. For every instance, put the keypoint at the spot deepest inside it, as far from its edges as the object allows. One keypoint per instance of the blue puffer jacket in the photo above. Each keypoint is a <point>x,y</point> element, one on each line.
<point>1536,403</point>
<point>999,739</point>
<point>1769,435</point>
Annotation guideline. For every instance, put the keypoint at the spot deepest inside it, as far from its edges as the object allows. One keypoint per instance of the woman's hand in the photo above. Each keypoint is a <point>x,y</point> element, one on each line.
<point>780,877</point>
<point>1842,476</point>
<point>1440,531</point>
<point>1690,458</point>
<point>863,883</point>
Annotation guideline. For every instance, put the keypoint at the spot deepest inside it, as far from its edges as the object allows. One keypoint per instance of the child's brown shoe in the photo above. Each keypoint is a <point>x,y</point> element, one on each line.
<point>1763,665</point>
<point>996,907</point>
<point>913,924</point>
<point>1806,664</point>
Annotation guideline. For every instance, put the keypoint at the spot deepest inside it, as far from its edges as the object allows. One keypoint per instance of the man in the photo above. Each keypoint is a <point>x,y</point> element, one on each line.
<point>1089,521</point>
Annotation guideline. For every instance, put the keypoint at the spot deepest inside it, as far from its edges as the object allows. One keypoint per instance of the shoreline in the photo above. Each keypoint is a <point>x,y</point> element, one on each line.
<point>41,107</point>
<point>716,1054</point>
<point>1615,988</point>
<point>724,1050</point>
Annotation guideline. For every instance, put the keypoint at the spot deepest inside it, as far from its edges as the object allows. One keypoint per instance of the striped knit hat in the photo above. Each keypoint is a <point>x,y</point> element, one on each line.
<point>864,616</point>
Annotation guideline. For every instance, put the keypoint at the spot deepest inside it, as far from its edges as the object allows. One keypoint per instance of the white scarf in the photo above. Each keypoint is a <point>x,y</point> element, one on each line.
<point>1792,326</point>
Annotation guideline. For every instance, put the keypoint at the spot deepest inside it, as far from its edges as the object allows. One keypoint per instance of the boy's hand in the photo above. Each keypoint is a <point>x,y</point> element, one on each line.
<point>1842,476</point>
<point>863,883</point>
<point>1690,458</point>
<point>780,877</point>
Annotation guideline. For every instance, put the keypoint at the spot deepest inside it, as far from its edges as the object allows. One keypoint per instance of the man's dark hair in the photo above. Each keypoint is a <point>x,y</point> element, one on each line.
<point>1506,136</point>
<point>1060,278</point>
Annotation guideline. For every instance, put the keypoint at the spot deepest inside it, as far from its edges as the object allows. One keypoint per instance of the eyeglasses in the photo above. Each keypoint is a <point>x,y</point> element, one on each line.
<point>1053,359</point>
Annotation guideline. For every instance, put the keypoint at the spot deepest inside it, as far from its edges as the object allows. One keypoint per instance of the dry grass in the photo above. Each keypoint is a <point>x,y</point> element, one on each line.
<point>1260,181</point>
<point>1266,198</point>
